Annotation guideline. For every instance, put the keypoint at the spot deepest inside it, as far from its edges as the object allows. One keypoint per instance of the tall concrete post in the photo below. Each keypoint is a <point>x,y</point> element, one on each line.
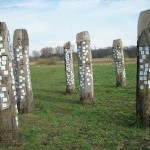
<point>143,69</point>
<point>118,56</point>
<point>8,101</point>
<point>70,85</point>
<point>143,21</point>
<point>85,67</point>
<point>22,71</point>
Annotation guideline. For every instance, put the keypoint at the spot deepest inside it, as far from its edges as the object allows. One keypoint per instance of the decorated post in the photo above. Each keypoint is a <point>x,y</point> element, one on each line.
<point>143,69</point>
<point>143,21</point>
<point>70,85</point>
<point>85,67</point>
<point>22,71</point>
<point>8,101</point>
<point>118,56</point>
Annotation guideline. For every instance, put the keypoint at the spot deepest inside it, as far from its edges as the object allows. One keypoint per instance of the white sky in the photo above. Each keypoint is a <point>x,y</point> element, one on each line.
<point>54,22</point>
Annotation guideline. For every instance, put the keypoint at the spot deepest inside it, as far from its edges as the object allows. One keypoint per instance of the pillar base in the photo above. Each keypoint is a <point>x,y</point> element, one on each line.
<point>86,101</point>
<point>70,91</point>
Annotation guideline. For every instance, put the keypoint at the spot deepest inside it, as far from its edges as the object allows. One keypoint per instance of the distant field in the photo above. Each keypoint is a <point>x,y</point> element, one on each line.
<point>110,60</point>
<point>60,122</point>
<point>57,61</point>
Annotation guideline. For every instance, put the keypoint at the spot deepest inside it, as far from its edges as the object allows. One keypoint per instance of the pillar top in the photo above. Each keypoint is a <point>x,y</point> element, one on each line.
<point>82,36</point>
<point>143,21</point>
<point>20,30</point>
<point>67,44</point>
<point>117,43</point>
<point>3,26</point>
<point>20,35</point>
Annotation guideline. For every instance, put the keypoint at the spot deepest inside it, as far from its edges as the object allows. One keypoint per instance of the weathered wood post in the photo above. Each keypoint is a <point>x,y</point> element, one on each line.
<point>85,67</point>
<point>70,85</point>
<point>22,71</point>
<point>118,56</point>
<point>143,69</point>
<point>8,101</point>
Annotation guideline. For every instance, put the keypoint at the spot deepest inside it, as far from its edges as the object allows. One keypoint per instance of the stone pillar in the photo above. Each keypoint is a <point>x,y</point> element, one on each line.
<point>70,85</point>
<point>143,69</point>
<point>22,71</point>
<point>85,67</point>
<point>118,56</point>
<point>143,21</point>
<point>8,101</point>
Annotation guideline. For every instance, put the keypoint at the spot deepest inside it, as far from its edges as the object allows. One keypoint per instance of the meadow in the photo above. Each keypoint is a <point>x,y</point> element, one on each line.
<point>60,122</point>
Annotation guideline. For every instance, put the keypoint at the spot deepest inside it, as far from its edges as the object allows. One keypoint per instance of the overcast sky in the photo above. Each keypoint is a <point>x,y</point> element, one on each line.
<point>54,22</point>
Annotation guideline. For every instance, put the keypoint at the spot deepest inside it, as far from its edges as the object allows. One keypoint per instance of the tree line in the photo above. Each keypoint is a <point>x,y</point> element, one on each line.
<point>48,52</point>
<point>129,52</point>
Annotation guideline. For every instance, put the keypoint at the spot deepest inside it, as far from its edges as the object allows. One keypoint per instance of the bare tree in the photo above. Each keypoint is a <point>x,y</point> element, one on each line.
<point>59,50</point>
<point>47,52</point>
<point>36,54</point>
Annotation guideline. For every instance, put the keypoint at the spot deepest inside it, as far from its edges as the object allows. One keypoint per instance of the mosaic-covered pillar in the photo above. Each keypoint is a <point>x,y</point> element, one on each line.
<point>70,85</point>
<point>143,21</point>
<point>85,67</point>
<point>8,101</point>
<point>118,56</point>
<point>143,70</point>
<point>22,71</point>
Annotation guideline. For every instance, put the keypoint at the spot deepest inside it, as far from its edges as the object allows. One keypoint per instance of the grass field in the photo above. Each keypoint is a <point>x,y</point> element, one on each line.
<point>60,122</point>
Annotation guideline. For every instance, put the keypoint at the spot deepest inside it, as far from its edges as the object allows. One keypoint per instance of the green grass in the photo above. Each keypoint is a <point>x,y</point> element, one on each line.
<point>60,122</point>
